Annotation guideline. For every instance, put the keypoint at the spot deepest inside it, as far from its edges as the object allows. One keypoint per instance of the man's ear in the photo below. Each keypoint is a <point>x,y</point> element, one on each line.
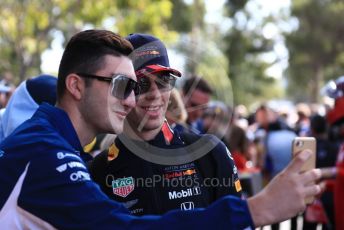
<point>75,86</point>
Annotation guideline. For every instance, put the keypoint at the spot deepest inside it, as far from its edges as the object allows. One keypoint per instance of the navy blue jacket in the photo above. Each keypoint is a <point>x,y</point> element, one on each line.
<point>45,184</point>
<point>145,187</point>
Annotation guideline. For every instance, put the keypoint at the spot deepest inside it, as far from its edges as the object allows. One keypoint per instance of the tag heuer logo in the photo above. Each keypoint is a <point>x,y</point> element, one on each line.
<point>123,187</point>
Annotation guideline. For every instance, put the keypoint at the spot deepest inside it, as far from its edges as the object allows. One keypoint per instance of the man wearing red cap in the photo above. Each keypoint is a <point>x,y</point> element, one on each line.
<point>146,152</point>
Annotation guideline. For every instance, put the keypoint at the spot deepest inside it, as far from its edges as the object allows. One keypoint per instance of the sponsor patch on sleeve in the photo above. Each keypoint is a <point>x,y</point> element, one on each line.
<point>69,165</point>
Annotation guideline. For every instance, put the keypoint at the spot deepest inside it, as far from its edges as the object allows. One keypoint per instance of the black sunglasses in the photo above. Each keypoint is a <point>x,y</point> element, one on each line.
<point>121,85</point>
<point>164,81</point>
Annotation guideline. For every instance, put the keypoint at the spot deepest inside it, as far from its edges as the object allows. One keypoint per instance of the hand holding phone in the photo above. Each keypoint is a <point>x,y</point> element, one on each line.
<point>306,143</point>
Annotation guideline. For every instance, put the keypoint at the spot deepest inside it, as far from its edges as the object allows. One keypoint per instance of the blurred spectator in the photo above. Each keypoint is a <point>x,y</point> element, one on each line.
<point>216,118</point>
<point>239,145</point>
<point>283,115</point>
<point>176,114</point>
<point>326,150</point>
<point>25,100</point>
<point>4,88</point>
<point>196,94</point>
<point>302,126</point>
<point>277,138</point>
<point>240,116</point>
<point>5,93</point>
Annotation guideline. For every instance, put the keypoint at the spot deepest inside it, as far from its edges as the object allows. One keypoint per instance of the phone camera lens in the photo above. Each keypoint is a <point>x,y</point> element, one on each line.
<point>299,143</point>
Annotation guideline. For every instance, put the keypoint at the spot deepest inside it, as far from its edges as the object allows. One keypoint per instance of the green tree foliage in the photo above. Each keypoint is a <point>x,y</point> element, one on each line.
<point>316,47</point>
<point>244,47</point>
<point>200,44</point>
<point>145,16</point>
<point>180,19</point>
<point>27,27</point>
<point>192,46</point>
<point>233,6</point>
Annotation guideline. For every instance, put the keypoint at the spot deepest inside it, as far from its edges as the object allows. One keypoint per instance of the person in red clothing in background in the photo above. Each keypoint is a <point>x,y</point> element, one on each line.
<point>239,146</point>
<point>335,117</point>
<point>339,190</point>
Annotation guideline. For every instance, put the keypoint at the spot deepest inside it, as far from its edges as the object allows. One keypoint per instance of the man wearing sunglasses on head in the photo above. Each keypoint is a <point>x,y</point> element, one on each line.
<point>45,183</point>
<point>146,126</point>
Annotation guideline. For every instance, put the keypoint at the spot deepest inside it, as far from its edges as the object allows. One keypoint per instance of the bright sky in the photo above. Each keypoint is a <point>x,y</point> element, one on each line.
<point>260,9</point>
<point>51,58</point>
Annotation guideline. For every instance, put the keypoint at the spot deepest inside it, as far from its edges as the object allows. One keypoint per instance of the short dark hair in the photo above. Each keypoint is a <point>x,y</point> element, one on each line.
<point>198,83</point>
<point>85,52</point>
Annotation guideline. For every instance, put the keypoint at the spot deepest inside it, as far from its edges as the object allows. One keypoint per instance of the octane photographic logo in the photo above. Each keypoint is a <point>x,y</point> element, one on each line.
<point>217,113</point>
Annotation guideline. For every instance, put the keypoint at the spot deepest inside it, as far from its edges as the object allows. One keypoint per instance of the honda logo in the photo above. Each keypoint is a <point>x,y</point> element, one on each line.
<point>186,206</point>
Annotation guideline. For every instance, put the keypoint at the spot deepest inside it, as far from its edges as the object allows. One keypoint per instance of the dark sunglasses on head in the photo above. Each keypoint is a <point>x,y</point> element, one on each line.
<point>164,82</point>
<point>121,85</point>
